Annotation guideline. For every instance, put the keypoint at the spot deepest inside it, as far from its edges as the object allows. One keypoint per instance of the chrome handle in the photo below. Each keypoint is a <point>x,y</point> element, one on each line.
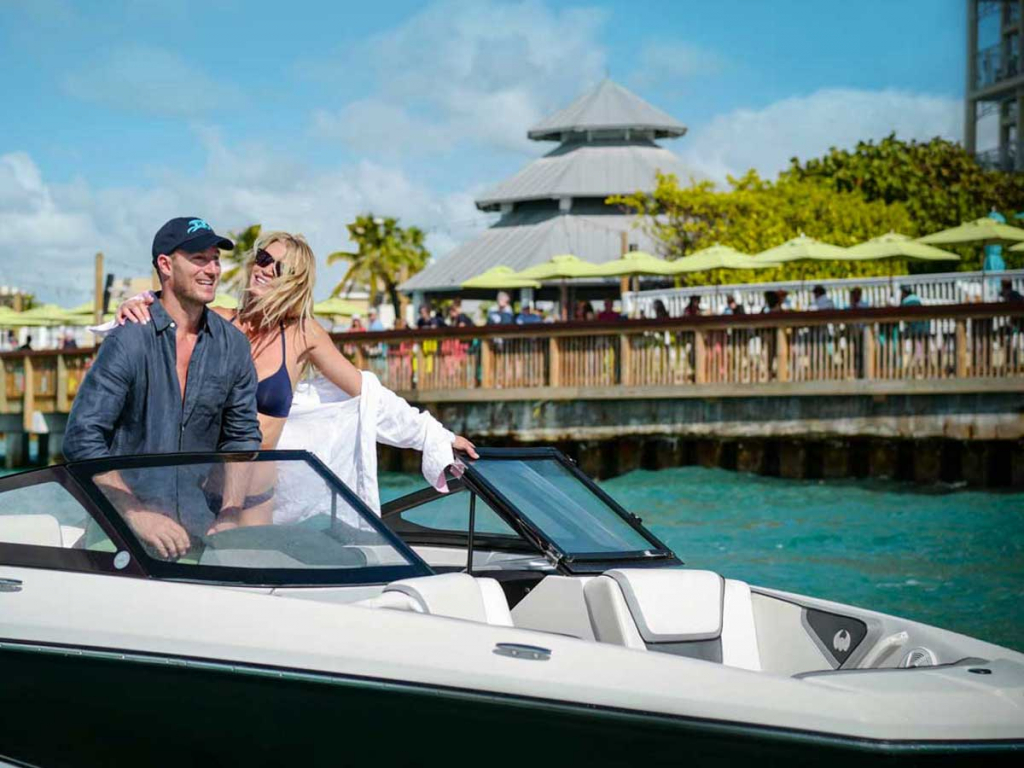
<point>521,651</point>
<point>10,585</point>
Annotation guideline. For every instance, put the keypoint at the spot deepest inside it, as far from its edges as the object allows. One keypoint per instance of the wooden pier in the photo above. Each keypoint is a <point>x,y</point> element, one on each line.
<point>921,374</point>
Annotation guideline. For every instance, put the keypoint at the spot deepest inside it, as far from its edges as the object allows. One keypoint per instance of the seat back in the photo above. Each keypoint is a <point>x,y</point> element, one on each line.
<point>39,530</point>
<point>684,612</point>
<point>458,596</point>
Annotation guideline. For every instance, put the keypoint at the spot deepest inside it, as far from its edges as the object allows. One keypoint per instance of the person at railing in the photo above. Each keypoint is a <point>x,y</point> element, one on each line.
<point>821,298</point>
<point>502,313</point>
<point>428,318</point>
<point>527,316</point>
<point>68,342</point>
<point>733,307</point>
<point>608,314</point>
<point>1009,294</point>
<point>456,317</point>
<point>277,303</point>
<point>27,346</point>
<point>659,310</point>
<point>373,320</point>
<point>356,326</point>
<point>692,308</point>
<point>857,300</point>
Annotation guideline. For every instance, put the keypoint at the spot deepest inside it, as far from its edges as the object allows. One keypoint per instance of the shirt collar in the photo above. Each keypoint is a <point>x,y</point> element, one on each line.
<point>162,321</point>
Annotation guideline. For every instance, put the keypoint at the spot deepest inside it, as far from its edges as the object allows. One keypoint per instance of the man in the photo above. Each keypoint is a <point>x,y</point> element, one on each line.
<point>608,314</point>
<point>27,346</point>
<point>373,320</point>
<point>526,315</point>
<point>733,307</point>
<point>456,317</point>
<point>502,314</point>
<point>184,381</point>
<point>821,299</point>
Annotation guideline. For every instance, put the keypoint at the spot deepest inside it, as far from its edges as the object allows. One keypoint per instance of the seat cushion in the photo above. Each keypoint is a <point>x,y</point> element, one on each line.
<point>39,530</point>
<point>458,596</point>
<point>673,605</point>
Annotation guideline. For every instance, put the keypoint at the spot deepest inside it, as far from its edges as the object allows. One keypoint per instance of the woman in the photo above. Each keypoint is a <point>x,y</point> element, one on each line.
<point>276,314</point>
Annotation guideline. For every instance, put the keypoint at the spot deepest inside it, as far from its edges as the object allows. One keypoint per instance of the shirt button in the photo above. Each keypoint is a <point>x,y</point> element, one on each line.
<point>173,325</point>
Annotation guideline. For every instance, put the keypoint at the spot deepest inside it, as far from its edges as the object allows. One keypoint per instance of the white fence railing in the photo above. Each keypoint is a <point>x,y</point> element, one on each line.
<point>932,289</point>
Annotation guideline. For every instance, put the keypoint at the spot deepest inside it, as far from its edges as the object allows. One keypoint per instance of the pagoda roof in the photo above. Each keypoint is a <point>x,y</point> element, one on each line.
<point>609,106</point>
<point>587,169</point>
<point>524,239</point>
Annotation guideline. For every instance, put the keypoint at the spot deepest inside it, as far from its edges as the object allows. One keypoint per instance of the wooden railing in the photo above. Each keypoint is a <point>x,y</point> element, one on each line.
<point>964,342</point>
<point>949,347</point>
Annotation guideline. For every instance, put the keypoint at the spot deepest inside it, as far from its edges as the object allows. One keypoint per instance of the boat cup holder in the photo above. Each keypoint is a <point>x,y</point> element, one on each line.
<point>918,657</point>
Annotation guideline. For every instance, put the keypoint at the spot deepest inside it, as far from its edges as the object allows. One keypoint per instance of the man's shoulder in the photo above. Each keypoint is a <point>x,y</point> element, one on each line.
<point>131,336</point>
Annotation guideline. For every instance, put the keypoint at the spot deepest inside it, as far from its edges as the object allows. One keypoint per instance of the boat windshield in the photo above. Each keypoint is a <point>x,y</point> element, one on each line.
<point>565,507</point>
<point>258,518</point>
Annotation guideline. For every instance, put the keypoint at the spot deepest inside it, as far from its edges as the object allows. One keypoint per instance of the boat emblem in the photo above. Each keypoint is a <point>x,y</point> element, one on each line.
<point>521,651</point>
<point>841,642</point>
<point>121,560</point>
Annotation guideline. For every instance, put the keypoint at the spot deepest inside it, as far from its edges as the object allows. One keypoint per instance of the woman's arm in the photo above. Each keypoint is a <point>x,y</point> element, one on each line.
<point>328,359</point>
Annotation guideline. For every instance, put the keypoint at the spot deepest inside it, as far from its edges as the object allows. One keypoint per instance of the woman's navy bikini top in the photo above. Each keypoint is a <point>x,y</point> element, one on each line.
<point>274,393</point>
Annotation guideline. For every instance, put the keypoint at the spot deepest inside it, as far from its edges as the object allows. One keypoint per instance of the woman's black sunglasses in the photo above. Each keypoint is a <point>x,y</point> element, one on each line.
<point>264,259</point>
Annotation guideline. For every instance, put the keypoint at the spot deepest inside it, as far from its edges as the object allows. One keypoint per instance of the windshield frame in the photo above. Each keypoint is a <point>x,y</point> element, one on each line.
<point>85,471</point>
<point>659,555</point>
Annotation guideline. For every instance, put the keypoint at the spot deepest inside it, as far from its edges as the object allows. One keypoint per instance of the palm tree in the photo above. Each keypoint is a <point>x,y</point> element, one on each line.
<point>232,278</point>
<point>386,254</point>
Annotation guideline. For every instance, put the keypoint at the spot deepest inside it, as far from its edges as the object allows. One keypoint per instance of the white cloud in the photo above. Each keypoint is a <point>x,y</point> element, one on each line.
<point>151,80</point>
<point>807,126</point>
<point>478,71</point>
<point>53,230</point>
<point>665,62</point>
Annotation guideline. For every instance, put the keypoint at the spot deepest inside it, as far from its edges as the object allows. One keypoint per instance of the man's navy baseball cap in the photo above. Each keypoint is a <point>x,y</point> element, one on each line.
<point>187,233</point>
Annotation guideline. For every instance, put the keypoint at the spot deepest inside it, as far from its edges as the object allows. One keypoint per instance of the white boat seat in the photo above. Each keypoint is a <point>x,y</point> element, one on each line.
<point>37,530</point>
<point>456,595</point>
<point>672,610</point>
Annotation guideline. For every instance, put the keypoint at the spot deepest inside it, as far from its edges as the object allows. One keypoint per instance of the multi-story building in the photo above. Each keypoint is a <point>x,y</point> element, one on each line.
<point>995,83</point>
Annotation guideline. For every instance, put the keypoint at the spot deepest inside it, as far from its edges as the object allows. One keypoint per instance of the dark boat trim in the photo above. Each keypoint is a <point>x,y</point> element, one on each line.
<point>719,727</point>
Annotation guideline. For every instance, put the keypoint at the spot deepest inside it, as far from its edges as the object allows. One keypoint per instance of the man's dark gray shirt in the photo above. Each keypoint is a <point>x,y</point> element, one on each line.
<point>130,401</point>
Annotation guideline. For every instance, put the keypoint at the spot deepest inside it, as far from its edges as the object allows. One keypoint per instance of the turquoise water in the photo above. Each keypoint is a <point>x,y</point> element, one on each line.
<point>951,558</point>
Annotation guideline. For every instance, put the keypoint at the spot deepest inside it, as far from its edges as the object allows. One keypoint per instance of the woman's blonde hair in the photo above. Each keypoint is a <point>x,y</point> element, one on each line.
<point>290,297</point>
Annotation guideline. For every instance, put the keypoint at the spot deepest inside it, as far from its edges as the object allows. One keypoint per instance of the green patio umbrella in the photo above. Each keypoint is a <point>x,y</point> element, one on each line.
<point>633,264</point>
<point>335,307</point>
<point>227,301</point>
<point>500,278</point>
<point>986,230</point>
<point>802,248</point>
<point>47,314</point>
<point>718,257</point>
<point>894,246</point>
<point>562,267</point>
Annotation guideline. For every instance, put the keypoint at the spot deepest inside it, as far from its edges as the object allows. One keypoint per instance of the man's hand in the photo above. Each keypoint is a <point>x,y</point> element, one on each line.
<point>462,444</point>
<point>160,532</point>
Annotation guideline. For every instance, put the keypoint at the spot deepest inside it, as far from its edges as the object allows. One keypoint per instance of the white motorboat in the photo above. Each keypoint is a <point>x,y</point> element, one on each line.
<point>524,616</point>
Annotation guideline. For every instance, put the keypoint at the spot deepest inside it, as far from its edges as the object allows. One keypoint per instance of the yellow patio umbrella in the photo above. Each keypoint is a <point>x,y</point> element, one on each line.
<point>499,278</point>
<point>986,230</point>
<point>46,314</point>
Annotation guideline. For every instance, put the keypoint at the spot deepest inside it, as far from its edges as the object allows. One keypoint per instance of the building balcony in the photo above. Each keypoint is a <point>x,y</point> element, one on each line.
<point>994,66</point>
<point>1000,158</point>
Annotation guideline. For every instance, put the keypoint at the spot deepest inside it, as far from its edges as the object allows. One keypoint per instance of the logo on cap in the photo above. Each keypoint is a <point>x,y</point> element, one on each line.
<point>196,224</point>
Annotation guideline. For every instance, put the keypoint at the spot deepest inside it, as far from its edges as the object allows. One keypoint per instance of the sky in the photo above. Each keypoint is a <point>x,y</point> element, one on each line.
<point>122,114</point>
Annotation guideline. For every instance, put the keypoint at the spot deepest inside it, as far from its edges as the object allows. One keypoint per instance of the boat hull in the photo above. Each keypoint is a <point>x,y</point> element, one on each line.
<point>77,707</point>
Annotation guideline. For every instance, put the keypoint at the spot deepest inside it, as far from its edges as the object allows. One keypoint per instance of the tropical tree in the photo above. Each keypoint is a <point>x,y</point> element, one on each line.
<point>232,278</point>
<point>938,181</point>
<point>385,255</point>
<point>755,214</point>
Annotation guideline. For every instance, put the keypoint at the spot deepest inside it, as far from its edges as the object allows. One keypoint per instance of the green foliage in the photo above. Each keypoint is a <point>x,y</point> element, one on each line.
<point>938,182</point>
<point>755,214</point>
<point>386,255</point>
<point>232,278</point>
